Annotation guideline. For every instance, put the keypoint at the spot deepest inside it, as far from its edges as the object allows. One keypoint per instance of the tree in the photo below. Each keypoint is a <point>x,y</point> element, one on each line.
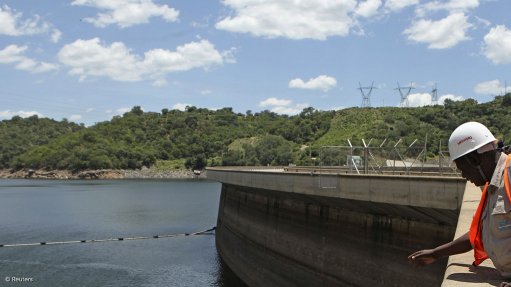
<point>198,136</point>
<point>506,100</point>
<point>273,150</point>
<point>137,110</point>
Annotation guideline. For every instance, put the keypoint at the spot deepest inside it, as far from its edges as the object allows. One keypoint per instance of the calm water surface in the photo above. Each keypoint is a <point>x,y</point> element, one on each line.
<point>35,211</point>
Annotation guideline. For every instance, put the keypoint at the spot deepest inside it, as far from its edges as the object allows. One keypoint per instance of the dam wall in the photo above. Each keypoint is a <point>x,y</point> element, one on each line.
<point>277,228</point>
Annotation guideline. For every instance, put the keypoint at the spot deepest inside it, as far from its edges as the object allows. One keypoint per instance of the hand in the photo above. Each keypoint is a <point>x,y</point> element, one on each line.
<point>424,257</point>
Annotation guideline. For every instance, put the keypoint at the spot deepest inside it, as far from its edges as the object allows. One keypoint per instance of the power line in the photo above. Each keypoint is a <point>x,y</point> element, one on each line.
<point>366,97</point>
<point>434,96</point>
<point>404,96</point>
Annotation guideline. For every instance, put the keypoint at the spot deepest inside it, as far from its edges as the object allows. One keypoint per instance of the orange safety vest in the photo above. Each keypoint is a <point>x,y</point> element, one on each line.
<point>475,228</point>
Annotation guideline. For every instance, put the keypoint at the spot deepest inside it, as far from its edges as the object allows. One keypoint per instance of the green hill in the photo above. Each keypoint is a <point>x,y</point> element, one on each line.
<point>199,137</point>
<point>408,124</point>
<point>20,135</point>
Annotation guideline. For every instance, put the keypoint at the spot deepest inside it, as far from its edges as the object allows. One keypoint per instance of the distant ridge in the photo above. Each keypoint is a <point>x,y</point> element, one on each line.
<point>197,137</point>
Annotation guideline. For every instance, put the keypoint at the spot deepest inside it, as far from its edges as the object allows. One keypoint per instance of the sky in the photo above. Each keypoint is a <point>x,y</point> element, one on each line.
<point>90,60</point>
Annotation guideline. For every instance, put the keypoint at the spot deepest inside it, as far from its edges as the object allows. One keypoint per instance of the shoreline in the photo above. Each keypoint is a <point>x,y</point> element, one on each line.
<point>144,173</point>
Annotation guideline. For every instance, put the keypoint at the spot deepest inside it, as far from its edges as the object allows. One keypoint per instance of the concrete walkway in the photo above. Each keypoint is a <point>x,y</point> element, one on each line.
<point>460,271</point>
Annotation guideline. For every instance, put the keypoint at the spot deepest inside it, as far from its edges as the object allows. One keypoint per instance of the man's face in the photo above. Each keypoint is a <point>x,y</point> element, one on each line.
<point>470,168</point>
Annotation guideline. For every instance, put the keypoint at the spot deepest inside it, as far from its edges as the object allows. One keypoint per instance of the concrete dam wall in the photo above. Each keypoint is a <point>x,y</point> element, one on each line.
<point>278,228</point>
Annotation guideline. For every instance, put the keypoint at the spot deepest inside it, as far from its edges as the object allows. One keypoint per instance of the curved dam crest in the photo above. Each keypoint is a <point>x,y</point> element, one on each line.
<point>280,228</point>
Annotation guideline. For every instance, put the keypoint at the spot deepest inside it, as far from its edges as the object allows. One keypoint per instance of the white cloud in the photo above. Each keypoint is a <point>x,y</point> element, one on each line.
<point>160,82</point>
<point>483,21</point>
<point>451,97</point>
<point>497,45</point>
<point>313,19</point>
<point>368,8</point>
<point>336,108</point>
<point>425,99</point>
<point>14,54</point>
<point>12,24</point>
<point>92,58</point>
<point>75,118</point>
<point>197,24</point>
<point>125,13</point>
<point>55,35</point>
<point>283,106</point>
<point>493,87</point>
<point>228,55</point>
<point>395,5</point>
<point>89,110</point>
<point>23,114</point>
<point>323,83</point>
<point>441,34</point>
<point>180,106</point>
<point>205,92</point>
<point>275,102</point>
<point>290,110</point>
<point>119,111</point>
<point>451,6</point>
<point>419,100</point>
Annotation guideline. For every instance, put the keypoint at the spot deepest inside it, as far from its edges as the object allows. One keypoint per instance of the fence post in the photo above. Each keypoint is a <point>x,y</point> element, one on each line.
<point>366,160</point>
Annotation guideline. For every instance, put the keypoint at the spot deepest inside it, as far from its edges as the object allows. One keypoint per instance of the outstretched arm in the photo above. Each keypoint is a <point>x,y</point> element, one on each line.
<point>428,256</point>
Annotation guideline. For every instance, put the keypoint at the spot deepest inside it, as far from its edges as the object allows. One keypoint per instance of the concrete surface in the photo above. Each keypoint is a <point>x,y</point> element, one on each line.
<point>460,271</point>
<point>303,229</point>
<point>419,191</point>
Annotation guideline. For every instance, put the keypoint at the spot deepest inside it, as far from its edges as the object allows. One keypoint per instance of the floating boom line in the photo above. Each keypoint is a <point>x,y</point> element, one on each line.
<point>44,243</point>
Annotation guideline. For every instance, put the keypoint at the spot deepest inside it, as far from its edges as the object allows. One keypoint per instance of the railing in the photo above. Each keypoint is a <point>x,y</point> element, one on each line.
<point>390,159</point>
<point>396,159</point>
<point>426,171</point>
<point>383,159</point>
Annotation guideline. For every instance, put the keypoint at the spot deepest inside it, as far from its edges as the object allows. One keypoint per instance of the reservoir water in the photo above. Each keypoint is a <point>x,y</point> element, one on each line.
<point>44,210</point>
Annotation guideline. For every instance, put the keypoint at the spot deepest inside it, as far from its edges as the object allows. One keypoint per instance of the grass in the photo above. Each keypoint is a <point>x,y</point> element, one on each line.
<point>166,165</point>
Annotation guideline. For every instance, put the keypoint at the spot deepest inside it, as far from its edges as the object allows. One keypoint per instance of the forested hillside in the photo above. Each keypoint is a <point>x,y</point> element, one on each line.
<point>19,135</point>
<point>414,123</point>
<point>198,137</point>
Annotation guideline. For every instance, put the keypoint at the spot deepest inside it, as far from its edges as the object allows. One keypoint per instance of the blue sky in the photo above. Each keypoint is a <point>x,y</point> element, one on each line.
<point>89,60</point>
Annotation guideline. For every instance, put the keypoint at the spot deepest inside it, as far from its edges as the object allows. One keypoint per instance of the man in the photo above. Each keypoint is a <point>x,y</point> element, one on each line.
<point>473,148</point>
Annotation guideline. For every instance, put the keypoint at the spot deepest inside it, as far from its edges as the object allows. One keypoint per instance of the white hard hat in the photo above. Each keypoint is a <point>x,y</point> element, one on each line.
<point>467,138</point>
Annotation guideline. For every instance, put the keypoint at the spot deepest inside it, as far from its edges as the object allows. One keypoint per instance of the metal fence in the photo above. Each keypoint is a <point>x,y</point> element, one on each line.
<point>383,159</point>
